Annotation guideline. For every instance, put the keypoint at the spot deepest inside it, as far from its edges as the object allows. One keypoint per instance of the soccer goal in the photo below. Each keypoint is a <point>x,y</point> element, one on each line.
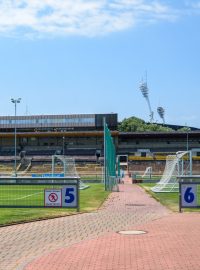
<point>176,165</point>
<point>69,168</point>
<point>148,172</point>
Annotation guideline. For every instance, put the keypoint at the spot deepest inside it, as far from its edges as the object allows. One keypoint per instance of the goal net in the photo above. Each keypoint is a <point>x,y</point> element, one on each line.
<point>69,168</point>
<point>168,181</point>
<point>148,172</point>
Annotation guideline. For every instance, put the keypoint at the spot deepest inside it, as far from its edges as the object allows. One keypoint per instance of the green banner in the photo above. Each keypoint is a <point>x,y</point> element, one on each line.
<point>110,159</point>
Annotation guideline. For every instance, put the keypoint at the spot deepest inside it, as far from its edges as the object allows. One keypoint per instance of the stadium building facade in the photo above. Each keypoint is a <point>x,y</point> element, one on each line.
<point>82,135</point>
<point>57,122</point>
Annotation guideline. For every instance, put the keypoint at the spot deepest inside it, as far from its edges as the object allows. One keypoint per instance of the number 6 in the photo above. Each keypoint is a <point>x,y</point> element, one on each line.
<point>189,196</point>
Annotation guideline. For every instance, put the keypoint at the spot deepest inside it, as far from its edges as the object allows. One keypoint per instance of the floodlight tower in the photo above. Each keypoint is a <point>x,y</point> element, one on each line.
<point>145,92</point>
<point>161,113</point>
<point>15,101</point>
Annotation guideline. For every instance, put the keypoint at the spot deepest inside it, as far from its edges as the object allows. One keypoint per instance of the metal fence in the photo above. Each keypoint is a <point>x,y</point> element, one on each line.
<point>39,192</point>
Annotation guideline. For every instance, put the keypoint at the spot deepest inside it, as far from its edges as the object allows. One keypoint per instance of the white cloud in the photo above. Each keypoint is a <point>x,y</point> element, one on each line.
<point>193,4</point>
<point>80,17</point>
<point>193,7</point>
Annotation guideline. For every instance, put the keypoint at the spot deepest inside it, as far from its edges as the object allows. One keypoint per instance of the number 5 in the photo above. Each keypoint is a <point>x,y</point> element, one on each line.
<point>69,193</point>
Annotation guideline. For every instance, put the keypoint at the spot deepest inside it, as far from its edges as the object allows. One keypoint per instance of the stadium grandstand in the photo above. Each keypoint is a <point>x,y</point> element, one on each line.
<point>45,135</point>
<point>81,136</point>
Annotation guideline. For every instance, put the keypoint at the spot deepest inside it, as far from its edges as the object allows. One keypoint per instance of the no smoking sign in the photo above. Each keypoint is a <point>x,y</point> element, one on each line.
<point>53,198</point>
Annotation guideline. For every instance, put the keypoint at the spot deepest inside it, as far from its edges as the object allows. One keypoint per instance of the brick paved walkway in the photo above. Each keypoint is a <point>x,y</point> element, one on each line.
<point>171,243</point>
<point>90,241</point>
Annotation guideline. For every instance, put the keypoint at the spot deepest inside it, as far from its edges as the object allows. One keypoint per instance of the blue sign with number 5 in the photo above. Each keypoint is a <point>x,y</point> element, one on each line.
<point>189,195</point>
<point>69,196</point>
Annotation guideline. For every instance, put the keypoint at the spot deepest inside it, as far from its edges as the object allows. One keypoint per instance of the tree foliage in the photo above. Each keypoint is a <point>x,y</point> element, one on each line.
<point>184,129</point>
<point>134,124</point>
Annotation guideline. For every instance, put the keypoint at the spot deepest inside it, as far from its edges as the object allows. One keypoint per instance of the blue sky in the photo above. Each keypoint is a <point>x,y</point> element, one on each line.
<point>68,57</point>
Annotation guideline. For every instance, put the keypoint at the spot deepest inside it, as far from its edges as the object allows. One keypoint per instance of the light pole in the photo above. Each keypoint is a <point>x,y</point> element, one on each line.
<point>145,92</point>
<point>187,137</point>
<point>63,146</point>
<point>15,101</point>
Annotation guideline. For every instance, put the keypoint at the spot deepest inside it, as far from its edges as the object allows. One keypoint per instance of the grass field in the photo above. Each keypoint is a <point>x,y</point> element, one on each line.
<point>170,200</point>
<point>91,177</point>
<point>155,178</point>
<point>23,195</point>
<point>90,199</point>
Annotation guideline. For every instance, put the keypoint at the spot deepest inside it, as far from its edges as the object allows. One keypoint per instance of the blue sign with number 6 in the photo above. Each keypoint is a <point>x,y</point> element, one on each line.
<point>189,195</point>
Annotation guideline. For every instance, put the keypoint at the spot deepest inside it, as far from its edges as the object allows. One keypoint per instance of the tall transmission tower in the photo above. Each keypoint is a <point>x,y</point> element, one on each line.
<point>145,92</point>
<point>161,113</point>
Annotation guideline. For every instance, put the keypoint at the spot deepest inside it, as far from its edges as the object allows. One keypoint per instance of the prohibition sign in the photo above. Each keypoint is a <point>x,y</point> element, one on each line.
<point>53,197</point>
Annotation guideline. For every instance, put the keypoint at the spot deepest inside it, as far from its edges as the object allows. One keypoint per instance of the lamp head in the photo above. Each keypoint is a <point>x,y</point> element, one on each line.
<point>161,112</point>
<point>15,100</point>
<point>144,89</point>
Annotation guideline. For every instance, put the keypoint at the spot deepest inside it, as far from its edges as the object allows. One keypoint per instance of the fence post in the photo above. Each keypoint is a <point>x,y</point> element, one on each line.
<point>78,199</point>
<point>180,198</point>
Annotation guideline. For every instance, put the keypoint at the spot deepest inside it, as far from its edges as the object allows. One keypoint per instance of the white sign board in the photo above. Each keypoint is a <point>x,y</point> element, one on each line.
<point>53,197</point>
<point>69,196</point>
<point>189,195</point>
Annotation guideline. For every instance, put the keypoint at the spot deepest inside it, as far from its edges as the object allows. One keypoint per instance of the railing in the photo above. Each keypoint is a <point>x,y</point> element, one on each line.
<point>39,192</point>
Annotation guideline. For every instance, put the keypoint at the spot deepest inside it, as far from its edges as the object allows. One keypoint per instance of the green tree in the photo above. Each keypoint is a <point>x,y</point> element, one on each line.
<point>184,129</point>
<point>134,124</point>
<point>131,124</point>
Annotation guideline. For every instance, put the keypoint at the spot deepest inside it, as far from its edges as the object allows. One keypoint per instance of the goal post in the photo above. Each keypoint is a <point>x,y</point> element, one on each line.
<point>69,168</point>
<point>174,167</point>
<point>148,172</point>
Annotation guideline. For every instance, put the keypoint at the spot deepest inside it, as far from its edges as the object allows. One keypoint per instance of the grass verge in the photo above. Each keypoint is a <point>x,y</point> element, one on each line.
<point>170,200</point>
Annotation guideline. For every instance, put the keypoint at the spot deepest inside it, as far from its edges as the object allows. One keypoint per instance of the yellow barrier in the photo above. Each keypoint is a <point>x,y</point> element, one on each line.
<point>157,157</point>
